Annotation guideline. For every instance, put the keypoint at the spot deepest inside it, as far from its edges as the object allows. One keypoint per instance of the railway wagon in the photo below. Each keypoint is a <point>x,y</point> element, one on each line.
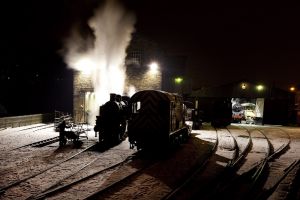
<point>157,120</point>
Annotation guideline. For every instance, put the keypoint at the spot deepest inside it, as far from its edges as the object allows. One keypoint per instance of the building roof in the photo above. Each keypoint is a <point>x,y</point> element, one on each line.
<point>245,89</point>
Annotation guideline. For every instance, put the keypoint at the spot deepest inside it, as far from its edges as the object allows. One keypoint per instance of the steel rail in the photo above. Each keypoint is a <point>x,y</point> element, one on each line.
<point>271,156</point>
<point>57,183</point>
<point>263,164</point>
<point>49,192</point>
<point>198,170</point>
<point>256,169</point>
<point>225,184</point>
<point>35,144</point>
<point>47,125</point>
<point>113,184</point>
<point>243,153</point>
<point>233,163</point>
<point>4,188</point>
<point>236,151</point>
<point>266,193</point>
<point>283,147</point>
<point>5,134</point>
<point>43,128</point>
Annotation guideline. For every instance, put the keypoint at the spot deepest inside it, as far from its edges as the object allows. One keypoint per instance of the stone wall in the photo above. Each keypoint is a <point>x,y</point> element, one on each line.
<point>82,84</point>
<point>140,54</point>
<point>17,121</point>
<point>142,79</point>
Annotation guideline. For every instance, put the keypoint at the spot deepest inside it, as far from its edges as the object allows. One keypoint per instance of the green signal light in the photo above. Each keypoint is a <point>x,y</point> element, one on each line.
<point>178,80</point>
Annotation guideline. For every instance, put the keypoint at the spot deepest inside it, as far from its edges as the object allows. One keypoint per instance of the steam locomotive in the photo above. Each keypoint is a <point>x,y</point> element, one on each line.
<point>112,120</point>
<point>154,119</point>
<point>150,118</point>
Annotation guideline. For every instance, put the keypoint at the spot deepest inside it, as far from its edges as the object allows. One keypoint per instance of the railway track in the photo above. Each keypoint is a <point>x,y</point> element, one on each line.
<point>38,127</point>
<point>58,186</point>
<point>267,192</point>
<point>101,192</point>
<point>249,164</point>
<point>241,162</point>
<point>134,181</point>
<point>135,184</point>
<point>206,178</point>
<point>249,176</point>
<point>20,130</point>
<point>180,190</point>
<point>279,164</point>
<point>39,143</point>
<point>16,182</point>
<point>14,139</point>
<point>101,174</point>
<point>244,143</point>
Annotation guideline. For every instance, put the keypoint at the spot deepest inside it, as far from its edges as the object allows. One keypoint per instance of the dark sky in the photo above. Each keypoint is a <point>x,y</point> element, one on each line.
<point>224,41</point>
<point>228,41</point>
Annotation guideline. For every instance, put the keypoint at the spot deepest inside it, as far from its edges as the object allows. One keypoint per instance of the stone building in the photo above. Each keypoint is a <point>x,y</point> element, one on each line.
<point>140,54</point>
<point>82,86</point>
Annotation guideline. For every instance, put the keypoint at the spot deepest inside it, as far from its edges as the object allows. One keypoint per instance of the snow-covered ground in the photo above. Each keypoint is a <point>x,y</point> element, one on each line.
<point>158,181</point>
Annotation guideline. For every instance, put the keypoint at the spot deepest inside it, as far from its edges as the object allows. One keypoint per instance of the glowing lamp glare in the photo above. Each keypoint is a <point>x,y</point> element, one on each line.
<point>85,66</point>
<point>292,89</point>
<point>178,80</point>
<point>153,67</point>
<point>260,87</point>
<point>244,86</point>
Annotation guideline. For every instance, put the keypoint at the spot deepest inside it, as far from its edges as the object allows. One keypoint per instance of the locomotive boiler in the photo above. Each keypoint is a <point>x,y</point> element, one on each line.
<point>157,120</point>
<point>112,121</point>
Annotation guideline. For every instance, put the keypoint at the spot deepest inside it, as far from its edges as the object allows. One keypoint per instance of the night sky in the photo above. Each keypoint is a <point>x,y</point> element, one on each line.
<point>223,41</point>
<point>229,40</point>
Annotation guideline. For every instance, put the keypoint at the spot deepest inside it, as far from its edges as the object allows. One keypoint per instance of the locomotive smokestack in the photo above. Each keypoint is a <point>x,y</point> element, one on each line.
<point>113,97</point>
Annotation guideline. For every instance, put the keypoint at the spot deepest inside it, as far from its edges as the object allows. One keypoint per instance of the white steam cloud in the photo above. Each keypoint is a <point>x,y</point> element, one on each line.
<point>105,60</point>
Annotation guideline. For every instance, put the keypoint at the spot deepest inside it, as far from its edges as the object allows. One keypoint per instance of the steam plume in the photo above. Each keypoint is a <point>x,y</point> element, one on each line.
<point>104,59</point>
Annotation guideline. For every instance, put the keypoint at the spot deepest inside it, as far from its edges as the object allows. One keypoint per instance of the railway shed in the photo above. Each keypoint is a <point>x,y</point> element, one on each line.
<point>266,103</point>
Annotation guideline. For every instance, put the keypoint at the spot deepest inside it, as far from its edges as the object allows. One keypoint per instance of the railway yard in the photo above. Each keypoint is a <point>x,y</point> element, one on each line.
<point>237,162</point>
